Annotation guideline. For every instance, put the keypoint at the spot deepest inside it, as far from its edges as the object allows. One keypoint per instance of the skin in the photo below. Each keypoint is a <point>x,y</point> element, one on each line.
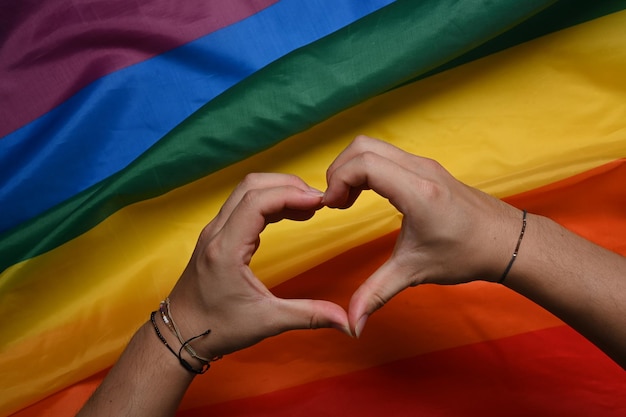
<point>218,290</point>
<point>450,234</point>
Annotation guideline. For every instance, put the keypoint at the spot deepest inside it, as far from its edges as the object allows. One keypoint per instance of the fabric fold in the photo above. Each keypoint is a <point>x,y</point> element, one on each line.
<point>288,96</point>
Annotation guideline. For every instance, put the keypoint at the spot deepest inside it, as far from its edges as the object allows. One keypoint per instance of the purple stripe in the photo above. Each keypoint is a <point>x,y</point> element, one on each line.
<point>51,49</point>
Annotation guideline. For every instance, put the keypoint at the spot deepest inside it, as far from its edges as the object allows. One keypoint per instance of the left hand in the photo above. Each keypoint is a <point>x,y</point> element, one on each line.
<point>218,290</point>
<point>451,233</point>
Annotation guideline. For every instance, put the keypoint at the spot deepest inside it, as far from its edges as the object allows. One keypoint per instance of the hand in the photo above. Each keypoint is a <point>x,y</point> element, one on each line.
<point>450,233</point>
<point>218,290</point>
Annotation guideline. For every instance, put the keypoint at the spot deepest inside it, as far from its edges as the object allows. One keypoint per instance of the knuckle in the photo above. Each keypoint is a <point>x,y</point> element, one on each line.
<point>378,300</point>
<point>430,163</point>
<point>429,190</point>
<point>294,180</point>
<point>251,180</point>
<point>314,322</point>
<point>206,233</point>
<point>368,158</point>
<point>205,254</point>
<point>361,141</point>
<point>329,173</point>
<point>255,180</point>
<point>213,251</point>
<point>249,198</point>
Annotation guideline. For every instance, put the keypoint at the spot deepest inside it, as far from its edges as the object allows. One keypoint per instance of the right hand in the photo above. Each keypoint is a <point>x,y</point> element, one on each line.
<point>451,233</point>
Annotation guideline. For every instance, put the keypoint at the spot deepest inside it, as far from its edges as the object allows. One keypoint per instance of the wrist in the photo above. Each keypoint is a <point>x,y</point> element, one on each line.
<point>168,363</point>
<point>534,254</point>
<point>502,231</point>
<point>178,343</point>
<point>518,245</point>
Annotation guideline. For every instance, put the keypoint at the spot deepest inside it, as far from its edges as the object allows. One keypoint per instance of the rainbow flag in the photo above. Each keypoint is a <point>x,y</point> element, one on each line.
<point>125,125</point>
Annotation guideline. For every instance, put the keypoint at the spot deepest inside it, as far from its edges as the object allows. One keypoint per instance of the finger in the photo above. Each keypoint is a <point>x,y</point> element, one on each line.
<point>374,293</point>
<point>259,207</point>
<point>369,170</point>
<point>250,182</point>
<point>364,143</point>
<point>291,314</point>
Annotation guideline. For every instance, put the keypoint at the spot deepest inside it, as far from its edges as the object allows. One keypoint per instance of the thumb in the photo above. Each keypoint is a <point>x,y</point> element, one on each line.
<point>374,293</point>
<point>311,314</point>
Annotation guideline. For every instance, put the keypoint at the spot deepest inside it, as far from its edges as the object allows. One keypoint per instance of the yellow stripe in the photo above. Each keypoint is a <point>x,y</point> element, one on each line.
<point>510,122</point>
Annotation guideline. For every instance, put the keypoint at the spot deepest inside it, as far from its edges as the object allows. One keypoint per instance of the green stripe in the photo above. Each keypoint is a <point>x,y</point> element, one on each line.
<point>311,84</point>
<point>561,15</point>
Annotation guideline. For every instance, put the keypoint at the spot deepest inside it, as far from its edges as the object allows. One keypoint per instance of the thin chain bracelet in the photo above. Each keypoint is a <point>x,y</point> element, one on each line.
<point>516,251</point>
<point>166,316</point>
<point>205,365</point>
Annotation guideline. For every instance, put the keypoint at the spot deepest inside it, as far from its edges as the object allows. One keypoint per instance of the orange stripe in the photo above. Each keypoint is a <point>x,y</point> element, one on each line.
<point>592,204</point>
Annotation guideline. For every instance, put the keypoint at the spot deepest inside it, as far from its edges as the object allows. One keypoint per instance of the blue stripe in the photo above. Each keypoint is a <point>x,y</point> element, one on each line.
<point>112,121</point>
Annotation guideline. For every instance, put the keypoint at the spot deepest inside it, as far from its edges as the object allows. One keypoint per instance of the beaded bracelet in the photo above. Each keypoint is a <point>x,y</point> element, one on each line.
<point>515,252</point>
<point>205,365</point>
<point>164,309</point>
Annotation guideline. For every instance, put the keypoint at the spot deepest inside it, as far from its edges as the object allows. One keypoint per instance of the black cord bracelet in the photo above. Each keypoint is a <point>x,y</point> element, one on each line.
<point>205,365</point>
<point>515,252</point>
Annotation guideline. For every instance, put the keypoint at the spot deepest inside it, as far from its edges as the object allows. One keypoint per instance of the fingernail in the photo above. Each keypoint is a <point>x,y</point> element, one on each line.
<point>360,324</point>
<point>342,329</point>
<point>315,192</point>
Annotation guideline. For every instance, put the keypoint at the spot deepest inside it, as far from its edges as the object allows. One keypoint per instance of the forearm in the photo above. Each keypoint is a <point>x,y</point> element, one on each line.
<point>578,281</point>
<point>218,306</point>
<point>146,381</point>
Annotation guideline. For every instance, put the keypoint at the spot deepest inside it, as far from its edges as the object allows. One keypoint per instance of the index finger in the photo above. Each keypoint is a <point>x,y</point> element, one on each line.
<point>259,207</point>
<point>250,182</point>
<point>369,170</point>
<point>362,144</point>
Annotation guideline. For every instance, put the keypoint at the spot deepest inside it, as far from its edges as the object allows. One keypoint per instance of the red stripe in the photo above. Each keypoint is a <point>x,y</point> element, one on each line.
<point>543,373</point>
<point>51,49</point>
<point>553,372</point>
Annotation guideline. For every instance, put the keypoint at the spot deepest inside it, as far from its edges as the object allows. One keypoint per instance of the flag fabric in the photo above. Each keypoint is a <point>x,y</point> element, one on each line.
<point>125,126</point>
